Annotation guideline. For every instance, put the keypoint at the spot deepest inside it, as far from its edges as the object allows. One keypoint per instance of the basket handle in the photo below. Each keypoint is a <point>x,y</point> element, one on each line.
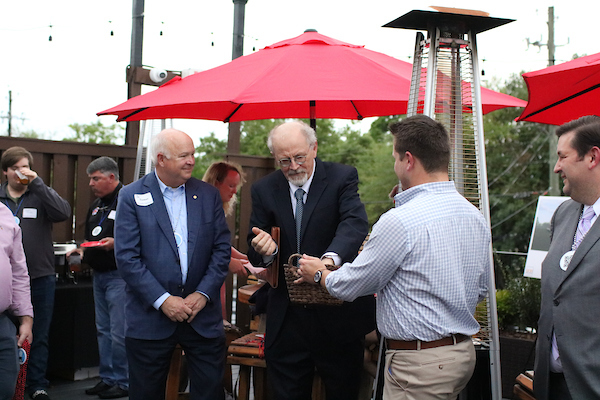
<point>295,255</point>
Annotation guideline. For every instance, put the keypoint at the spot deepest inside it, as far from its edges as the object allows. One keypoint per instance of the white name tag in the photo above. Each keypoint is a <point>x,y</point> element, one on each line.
<point>112,214</point>
<point>30,213</point>
<point>144,199</point>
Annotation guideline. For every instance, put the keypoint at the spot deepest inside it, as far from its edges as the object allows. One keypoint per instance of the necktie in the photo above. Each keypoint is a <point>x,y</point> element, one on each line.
<point>584,226</point>
<point>299,194</point>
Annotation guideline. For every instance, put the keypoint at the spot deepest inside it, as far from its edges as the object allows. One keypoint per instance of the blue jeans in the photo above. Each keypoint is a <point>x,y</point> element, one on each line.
<point>9,360</point>
<point>42,297</point>
<point>109,299</point>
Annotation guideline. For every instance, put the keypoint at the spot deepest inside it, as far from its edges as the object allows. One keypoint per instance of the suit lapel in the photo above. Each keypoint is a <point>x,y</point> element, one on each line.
<point>317,187</point>
<point>194,216</point>
<point>590,239</point>
<point>159,210</point>
<point>283,204</point>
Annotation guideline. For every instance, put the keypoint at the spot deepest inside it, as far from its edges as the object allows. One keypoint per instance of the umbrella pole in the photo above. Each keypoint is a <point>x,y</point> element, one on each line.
<point>313,112</point>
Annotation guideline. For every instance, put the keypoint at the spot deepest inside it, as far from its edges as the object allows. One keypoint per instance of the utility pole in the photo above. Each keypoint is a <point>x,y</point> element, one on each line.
<point>553,181</point>
<point>132,130</point>
<point>10,113</point>
<point>239,11</point>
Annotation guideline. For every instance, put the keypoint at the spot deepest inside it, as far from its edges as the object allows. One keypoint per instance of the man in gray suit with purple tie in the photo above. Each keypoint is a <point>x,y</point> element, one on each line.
<point>172,249</point>
<point>567,364</point>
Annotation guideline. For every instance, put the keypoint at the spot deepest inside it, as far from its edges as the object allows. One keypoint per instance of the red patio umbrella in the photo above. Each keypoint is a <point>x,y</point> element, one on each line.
<point>563,92</point>
<point>309,76</point>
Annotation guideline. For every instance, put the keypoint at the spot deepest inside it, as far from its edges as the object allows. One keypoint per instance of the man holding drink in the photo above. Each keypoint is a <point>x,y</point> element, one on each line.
<point>35,207</point>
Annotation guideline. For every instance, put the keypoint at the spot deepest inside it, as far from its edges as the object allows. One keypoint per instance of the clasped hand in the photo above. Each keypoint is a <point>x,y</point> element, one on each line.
<point>179,309</point>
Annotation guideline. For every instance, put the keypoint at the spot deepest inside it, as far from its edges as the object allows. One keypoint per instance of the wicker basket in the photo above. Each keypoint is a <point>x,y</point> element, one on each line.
<point>307,293</point>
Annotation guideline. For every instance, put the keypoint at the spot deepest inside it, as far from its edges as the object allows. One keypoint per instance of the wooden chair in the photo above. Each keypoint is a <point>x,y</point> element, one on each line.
<point>523,389</point>
<point>245,352</point>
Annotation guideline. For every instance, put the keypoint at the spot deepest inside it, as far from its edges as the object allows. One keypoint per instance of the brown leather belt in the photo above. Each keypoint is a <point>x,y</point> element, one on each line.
<point>393,344</point>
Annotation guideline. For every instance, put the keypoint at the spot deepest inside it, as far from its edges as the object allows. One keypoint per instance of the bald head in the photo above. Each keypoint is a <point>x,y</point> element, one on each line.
<point>172,153</point>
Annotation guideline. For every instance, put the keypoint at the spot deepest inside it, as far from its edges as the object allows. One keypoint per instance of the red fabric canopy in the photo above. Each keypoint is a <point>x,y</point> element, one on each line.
<point>563,92</point>
<point>342,80</point>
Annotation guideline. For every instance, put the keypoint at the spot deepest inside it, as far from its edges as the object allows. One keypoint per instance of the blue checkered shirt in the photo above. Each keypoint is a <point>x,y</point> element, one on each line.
<point>428,260</point>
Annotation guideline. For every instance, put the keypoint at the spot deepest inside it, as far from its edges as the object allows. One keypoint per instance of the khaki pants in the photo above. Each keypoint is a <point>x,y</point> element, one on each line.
<point>438,373</point>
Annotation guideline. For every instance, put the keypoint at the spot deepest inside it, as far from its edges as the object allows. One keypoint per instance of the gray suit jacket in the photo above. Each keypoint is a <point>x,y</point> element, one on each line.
<point>571,306</point>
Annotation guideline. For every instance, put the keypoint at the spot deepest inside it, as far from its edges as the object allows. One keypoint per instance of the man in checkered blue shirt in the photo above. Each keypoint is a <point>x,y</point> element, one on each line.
<point>428,261</point>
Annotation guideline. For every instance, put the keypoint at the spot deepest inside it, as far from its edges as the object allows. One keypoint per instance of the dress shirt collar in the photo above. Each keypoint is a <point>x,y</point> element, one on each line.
<point>407,195</point>
<point>164,187</point>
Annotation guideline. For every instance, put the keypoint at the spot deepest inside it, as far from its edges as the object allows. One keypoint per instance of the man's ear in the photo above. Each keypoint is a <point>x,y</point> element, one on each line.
<point>594,157</point>
<point>410,160</point>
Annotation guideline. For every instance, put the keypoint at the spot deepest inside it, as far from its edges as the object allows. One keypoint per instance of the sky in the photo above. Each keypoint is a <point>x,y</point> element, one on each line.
<point>82,70</point>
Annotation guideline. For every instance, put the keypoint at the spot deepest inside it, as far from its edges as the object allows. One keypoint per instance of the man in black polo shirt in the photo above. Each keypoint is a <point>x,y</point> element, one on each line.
<point>109,287</point>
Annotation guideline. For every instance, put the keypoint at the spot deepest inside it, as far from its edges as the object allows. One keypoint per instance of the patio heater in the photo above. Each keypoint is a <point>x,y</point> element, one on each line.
<point>445,86</point>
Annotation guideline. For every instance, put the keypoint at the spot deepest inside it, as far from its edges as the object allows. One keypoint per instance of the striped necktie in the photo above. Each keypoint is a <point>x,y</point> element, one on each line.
<point>299,194</point>
<point>584,226</point>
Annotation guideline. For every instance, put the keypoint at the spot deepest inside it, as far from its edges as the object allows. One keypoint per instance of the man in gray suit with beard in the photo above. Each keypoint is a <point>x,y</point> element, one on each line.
<point>568,348</point>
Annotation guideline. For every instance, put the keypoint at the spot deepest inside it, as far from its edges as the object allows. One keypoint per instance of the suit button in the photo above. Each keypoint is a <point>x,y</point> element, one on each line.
<point>556,302</point>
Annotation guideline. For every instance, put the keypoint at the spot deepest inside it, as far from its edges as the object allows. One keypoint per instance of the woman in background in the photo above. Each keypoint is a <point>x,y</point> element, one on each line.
<point>228,178</point>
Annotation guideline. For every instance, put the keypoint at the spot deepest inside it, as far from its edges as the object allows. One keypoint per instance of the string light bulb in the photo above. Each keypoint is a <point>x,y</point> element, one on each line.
<point>161,32</point>
<point>112,33</point>
<point>50,37</point>
<point>212,42</point>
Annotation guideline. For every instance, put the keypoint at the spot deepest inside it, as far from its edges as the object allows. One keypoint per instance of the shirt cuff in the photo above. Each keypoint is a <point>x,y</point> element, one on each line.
<point>204,294</point>
<point>269,259</point>
<point>159,302</point>
<point>337,260</point>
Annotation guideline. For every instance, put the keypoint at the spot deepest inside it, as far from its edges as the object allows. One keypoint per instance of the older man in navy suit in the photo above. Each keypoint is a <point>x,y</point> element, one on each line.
<point>172,249</point>
<point>324,197</point>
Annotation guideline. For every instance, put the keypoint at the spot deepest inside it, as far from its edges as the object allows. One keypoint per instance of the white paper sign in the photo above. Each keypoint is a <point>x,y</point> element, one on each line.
<point>540,235</point>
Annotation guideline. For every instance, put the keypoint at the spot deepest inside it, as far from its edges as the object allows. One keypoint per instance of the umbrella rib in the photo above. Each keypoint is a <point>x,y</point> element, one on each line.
<point>358,116</point>
<point>562,101</point>
<point>234,111</point>
<point>133,113</point>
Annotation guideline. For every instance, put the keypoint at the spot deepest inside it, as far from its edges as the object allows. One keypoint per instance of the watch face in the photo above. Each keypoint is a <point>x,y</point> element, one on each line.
<point>318,276</point>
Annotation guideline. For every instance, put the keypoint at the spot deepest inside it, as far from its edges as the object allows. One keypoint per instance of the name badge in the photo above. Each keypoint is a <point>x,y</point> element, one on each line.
<point>30,213</point>
<point>565,260</point>
<point>144,199</point>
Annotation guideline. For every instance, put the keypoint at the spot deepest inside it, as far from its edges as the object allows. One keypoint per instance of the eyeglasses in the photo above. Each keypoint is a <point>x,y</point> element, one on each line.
<point>286,162</point>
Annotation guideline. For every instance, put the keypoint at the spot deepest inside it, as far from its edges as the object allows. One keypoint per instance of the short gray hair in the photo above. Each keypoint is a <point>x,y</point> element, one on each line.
<point>159,144</point>
<point>308,132</point>
<point>105,165</point>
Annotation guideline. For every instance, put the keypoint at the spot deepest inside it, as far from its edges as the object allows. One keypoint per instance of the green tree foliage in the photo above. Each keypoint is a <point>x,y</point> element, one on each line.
<point>518,171</point>
<point>27,134</point>
<point>209,150</point>
<point>97,133</point>
<point>517,167</point>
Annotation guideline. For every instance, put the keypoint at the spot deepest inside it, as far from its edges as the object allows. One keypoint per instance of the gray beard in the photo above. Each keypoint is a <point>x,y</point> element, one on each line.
<point>298,179</point>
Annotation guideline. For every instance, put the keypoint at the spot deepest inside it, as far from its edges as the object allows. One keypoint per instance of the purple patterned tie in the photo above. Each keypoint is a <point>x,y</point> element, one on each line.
<point>584,226</point>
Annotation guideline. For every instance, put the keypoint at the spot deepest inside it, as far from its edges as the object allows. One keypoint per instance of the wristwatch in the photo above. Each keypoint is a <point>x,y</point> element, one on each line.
<point>318,276</point>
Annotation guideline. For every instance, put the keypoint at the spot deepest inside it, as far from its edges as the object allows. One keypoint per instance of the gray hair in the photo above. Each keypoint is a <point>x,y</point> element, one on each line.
<point>105,165</point>
<point>307,131</point>
<point>159,144</point>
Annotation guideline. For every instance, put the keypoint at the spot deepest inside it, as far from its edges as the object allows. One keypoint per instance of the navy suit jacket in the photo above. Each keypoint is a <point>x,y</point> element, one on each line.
<point>571,307</point>
<point>148,260</point>
<point>334,219</point>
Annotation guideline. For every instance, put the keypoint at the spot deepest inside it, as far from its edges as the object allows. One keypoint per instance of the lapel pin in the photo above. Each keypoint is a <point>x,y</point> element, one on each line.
<point>194,197</point>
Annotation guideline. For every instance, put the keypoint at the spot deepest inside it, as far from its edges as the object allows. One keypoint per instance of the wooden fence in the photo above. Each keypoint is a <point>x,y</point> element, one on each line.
<point>62,165</point>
